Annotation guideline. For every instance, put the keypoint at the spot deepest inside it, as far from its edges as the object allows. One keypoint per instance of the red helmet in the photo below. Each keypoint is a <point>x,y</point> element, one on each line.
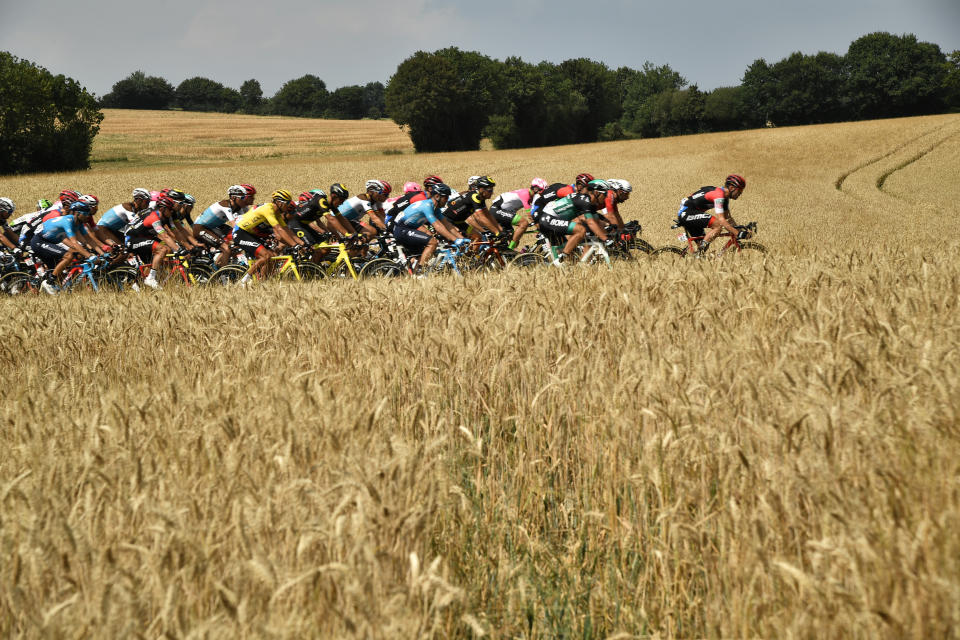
<point>251,191</point>
<point>304,197</point>
<point>429,181</point>
<point>163,200</point>
<point>735,181</point>
<point>69,196</point>
<point>584,178</point>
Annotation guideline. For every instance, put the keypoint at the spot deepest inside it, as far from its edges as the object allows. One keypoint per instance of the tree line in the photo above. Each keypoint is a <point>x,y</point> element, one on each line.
<point>306,97</point>
<point>450,99</point>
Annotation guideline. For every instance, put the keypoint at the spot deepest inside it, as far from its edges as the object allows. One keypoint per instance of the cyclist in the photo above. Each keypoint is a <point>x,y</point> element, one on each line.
<point>509,207</point>
<point>7,237</point>
<point>558,190</point>
<point>708,209</point>
<point>573,215</point>
<point>426,213</point>
<point>255,226</point>
<point>620,191</point>
<point>215,224</point>
<point>150,239</point>
<point>470,207</point>
<point>55,242</point>
<point>346,219</point>
<point>312,207</point>
<point>29,223</point>
<point>408,198</point>
<point>112,224</point>
<point>181,224</point>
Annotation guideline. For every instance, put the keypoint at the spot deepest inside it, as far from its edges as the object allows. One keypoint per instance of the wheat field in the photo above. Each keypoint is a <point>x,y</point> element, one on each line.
<point>763,448</point>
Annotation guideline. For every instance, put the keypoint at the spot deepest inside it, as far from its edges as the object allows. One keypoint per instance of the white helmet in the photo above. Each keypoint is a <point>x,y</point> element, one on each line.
<point>140,193</point>
<point>236,191</point>
<point>620,185</point>
<point>7,206</point>
<point>378,186</point>
<point>472,181</point>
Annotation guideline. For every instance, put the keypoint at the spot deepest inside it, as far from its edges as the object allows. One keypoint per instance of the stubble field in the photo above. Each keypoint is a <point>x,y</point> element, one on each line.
<point>707,449</point>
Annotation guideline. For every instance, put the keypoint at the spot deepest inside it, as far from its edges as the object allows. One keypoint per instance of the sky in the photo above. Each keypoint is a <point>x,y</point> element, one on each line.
<point>347,42</point>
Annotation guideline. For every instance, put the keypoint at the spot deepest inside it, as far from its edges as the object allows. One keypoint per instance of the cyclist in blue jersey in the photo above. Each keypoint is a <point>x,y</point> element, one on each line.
<point>46,242</point>
<point>426,214</point>
<point>113,224</point>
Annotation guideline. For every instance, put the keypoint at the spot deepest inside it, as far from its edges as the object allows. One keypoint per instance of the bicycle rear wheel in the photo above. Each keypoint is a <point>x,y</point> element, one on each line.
<point>670,254</point>
<point>529,259</point>
<point>641,245</point>
<point>18,283</point>
<point>381,268</point>
<point>121,279</point>
<point>752,247</point>
<point>310,271</point>
<point>227,275</point>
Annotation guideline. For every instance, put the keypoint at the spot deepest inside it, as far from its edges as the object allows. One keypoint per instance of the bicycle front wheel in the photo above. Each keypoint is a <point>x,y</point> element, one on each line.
<point>120,279</point>
<point>381,268</point>
<point>529,259</point>
<point>18,283</point>
<point>310,271</point>
<point>670,254</point>
<point>641,245</point>
<point>754,247</point>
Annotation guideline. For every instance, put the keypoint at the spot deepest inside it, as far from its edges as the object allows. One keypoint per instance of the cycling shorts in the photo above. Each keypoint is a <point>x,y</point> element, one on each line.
<point>303,231</point>
<point>49,252</point>
<point>694,222</point>
<point>414,240</point>
<point>549,223</point>
<point>250,243</point>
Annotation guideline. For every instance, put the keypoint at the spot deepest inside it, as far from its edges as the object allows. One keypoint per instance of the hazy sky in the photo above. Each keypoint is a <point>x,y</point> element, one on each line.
<point>99,42</point>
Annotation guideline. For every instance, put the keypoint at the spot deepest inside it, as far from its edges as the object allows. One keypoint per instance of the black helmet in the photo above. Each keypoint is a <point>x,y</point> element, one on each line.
<point>484,182</point>
<point>440,189</point>
<point>337,189</point>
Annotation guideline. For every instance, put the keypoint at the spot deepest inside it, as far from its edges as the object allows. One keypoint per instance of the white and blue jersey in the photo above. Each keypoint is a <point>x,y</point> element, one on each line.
<point>418,213</point>
<point>116,219</point>
<point>355,208</point>
<point>217,215</point>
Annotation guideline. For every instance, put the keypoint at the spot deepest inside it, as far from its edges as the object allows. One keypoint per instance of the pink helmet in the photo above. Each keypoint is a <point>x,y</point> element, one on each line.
<point>411,186</point>
<point>539,183</point>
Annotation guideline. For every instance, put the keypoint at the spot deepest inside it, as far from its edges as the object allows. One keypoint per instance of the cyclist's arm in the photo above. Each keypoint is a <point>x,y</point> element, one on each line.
<point>726,221</point>
<point>446,229</point>
<point>378,218</point>
<point>285,237</point>
<point>76,245</point>
<point>486,221</point>
<point>165,236</point>
<point>594,226</point>
<point>340,224</point>
<point>6,241</point>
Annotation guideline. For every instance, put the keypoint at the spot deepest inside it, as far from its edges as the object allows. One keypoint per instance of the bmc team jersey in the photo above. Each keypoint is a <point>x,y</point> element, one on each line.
<point>356,207</point>
<point>219,214</point>
<point>705,199</point>
<point>148,224</point>
<point>418,213</point>
<point>56,229</point>
<point>116,219</point>
<point>261,220</point>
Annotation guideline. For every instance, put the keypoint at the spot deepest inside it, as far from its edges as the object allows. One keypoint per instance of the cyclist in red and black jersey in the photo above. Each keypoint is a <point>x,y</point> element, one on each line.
<point>706,212</point>
<point>149,237</point>
<point>619,192</point>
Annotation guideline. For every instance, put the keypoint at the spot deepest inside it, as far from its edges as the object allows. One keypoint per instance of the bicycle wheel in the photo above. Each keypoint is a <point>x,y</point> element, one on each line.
<point>18,283</point>
<point>310,271</point>
<point>641,245</point>
<point>121,279</point>
<point>381,268</point>
<point>198,274</point>
<point>530,259</point>
<point>670,253</point>
<point>754,247</point>
<point>227,275</point>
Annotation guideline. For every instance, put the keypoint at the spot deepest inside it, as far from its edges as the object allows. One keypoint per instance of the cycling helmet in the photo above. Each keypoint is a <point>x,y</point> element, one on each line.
<point>43,204</point>
<point>305,196</point>
<point>431,180</point>
<point>539,183</point>
<point>409,187</point>
<point>236,191</point>
<point>140,194</point>
<point>440,189</point>
<point>317,191</point>
<point>584,178</point>
<point>189,200</point>
<point>377,186</point>
<point>337,189</point>
<point>735,181</point>
<point>176,195</point>
<point>621,185</point>
<point>598,185</point>
<point>68,196</point>
<point>249,189</point>
<point>472,182</point>
<point>163,200</point>
<point>7,206</point>
<point>80,208</point>
<point>485,182</point>
<point>90,200</point>
<point>282,195</point>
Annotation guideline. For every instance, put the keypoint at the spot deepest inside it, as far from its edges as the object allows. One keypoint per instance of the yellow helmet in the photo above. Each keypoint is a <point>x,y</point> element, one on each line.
<point>282,195</point>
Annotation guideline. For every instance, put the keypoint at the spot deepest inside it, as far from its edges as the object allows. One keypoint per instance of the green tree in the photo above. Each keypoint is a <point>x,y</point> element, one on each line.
<point>48,122</point>
<point>951,81</point>
<point>346,103</point>
<point>673,112</point>
<point>724,109</point>
<point>800,89</point>
<point>600,90</point>
<point>140,91</point>
<point>445,98</point>
<point>638,87</point>
<point>251,97</point>
<point>306,96</point>
<point>374,101</point>
<point>892,76</point>
<point>202,94</point>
